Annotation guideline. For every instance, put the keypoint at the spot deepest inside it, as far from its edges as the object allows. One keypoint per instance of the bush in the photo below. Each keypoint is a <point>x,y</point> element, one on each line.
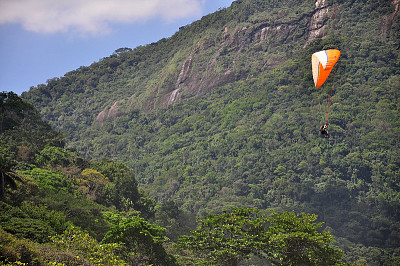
<point>14,250</point>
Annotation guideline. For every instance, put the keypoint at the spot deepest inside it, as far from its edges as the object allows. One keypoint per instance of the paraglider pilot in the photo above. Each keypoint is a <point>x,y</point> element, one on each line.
<point>324,130</point>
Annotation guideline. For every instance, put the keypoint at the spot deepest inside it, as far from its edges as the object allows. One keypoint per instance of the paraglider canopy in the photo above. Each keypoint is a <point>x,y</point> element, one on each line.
<point>322,64</point>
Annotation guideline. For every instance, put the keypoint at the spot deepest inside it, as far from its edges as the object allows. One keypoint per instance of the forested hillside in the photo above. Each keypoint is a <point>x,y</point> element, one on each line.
<point>59,209</point>
<point>225,114</point>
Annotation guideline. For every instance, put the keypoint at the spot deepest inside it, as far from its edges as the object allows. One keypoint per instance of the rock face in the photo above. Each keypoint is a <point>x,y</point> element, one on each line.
<point>173,97</point>
<point>219,60</point>
<point>185,70</point>
<point>318,21</point>
<point>387,21</point>
<point>107,113</point>
<point>235,52</point>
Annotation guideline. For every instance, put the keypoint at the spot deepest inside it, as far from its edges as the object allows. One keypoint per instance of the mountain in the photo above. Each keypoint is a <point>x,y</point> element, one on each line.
<point>224,113</point>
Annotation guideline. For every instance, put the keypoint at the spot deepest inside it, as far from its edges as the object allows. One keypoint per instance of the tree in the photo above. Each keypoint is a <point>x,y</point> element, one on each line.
<point>13,110</point>
<point>122,176</point>
<point>120,51</point>
<point>93,185</point>
<point>295,240</point>
<point>227,238</point>
<point>7,177</point>
<point>143,240</point>
<point>56,156</point>
<point>22,128</point>
<point>126,187</point>
<point>176,221</point>
<point>282,239</point>
<point>85,248</point>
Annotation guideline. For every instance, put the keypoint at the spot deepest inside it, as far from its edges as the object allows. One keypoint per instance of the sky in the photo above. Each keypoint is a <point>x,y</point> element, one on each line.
<point>43,39</point>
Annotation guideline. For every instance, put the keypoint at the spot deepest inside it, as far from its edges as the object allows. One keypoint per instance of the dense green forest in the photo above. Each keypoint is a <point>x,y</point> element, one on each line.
<point>59,209</point>
<point>224,115</point>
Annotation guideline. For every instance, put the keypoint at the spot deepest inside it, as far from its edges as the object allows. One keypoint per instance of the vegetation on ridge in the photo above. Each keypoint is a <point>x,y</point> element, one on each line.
<point>243,130</point>
<point>58,211</point>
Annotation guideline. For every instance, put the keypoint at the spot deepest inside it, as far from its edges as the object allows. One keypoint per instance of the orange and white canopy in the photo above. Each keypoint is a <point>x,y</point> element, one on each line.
<point>322,64</point>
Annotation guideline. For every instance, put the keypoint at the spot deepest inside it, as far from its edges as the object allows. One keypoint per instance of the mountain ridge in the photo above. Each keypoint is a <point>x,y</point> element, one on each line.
<point>197,84</point>
<point>224,113</point>
<point>202,84</point>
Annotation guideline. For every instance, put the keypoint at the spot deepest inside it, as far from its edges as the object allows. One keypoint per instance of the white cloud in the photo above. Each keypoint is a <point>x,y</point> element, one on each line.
<point>91,16</point>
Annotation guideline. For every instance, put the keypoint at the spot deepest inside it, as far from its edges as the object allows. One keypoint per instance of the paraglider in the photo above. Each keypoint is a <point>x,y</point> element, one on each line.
<point>324,130</point>
<point>322,65</point>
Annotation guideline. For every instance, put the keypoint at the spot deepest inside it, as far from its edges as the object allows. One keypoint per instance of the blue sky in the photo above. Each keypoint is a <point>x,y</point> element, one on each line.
<point>43,39</point>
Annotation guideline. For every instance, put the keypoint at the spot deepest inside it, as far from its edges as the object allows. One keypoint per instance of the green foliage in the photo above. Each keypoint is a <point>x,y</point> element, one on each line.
<point>228,238</point>
<point>126,192</point>
<point>13,110</point>
<point>6,162</point>
<point>141,238</point>
<point>7,178</point>
<point>49,179</point>
<point>22,132</point>
<point>56,156</point>
<point>282,239</point>
<point>296,240</point>
<point>86,248</point>
<point>14,251</point>
<point>95,186</point>
<point>47,204</point>
<point>31,221</point>
<point>177,221</point>
<point>80,211</point>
